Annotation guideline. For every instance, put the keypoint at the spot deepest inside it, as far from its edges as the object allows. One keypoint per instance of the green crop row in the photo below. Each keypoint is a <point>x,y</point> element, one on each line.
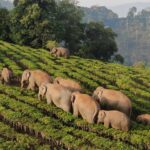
<point>136,136</point>
<point>53,126</point>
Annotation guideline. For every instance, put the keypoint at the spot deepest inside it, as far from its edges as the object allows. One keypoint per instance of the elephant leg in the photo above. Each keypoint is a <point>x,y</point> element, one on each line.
<point>49,100</point>
<point>2,81</point>
<point>75,111</point>
<point>66,108</point>
<point>31,86</point>
<point>106,123</point>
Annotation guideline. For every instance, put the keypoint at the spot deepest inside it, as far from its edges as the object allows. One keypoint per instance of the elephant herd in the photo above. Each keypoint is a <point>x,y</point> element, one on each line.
<point>110,107</point>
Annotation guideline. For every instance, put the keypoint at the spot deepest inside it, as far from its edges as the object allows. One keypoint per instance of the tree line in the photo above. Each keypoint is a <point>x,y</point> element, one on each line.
<point>35,22</point>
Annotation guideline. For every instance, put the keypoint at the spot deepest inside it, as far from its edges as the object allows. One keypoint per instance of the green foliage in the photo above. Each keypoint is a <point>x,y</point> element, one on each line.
<point>51,44</point>
<point>4,24</point>
<point>32,22</point>
<point>139,64</point>
<point>118,58</point>
<point>99,42</point>
<point>68,25</point>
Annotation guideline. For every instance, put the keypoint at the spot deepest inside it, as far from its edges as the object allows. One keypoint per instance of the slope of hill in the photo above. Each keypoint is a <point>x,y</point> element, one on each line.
<point>133,33</point>
<point>122,10</point>
<point>6,4</point>
<point>27,123</point>
<point>96,14</point>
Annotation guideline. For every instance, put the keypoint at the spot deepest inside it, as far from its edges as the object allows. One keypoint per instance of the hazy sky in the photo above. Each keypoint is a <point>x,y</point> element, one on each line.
<point>108,3</point>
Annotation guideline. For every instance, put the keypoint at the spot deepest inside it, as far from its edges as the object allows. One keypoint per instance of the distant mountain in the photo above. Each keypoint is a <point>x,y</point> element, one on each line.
<point>122,10</point>
<point>97,14</point>
<point>133,32</point>
<point>6,4</point>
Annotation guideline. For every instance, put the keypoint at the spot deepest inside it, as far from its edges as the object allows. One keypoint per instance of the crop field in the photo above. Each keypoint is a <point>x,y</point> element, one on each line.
<point>27,123</point>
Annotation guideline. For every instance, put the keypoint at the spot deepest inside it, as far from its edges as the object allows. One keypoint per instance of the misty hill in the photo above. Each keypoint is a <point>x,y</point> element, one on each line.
<point>6,3</point>
<point>133,32</point>
<point>122,10</point>
<point>98,14</point>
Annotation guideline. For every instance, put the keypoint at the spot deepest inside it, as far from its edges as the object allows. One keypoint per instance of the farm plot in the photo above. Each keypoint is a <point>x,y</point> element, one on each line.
<point>26,123</point>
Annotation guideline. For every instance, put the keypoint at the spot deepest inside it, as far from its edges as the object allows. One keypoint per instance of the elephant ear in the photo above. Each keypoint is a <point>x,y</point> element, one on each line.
<point>100,93</point>
<point>73,98</point>
<point>44,90</point>
<point>28,74</point>
<point>56,50</point>
<point>57,82</point>
<point>103,114</point>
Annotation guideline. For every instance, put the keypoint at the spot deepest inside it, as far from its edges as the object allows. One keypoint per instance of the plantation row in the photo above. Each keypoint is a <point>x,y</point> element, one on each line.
<point>50,117</point>
<point>30,120</point>
<point>102,74</point>
<point>50,126</point>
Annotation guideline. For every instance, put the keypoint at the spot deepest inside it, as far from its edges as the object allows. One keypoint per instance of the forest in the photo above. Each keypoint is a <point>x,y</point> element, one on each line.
<point>34,23</point>
<point>132,31</point>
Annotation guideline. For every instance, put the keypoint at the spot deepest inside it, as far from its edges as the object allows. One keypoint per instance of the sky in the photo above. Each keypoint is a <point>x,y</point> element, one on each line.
<point>108,3</point>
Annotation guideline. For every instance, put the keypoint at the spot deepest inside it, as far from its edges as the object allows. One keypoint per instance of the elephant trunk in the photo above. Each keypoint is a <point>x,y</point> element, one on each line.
<point>22,84</point>
<point>39,97</point>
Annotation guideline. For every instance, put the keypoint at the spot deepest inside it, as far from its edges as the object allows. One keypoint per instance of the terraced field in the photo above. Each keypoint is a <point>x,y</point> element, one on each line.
<point>26,123</point>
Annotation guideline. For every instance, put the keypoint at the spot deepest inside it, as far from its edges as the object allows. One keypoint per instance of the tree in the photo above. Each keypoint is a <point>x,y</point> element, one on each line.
<point>132,12</point>
<point>118,58</point>
<point>68,25</point>
<point>99,42</point>
<point>32,21</point>
<point>4,24</point>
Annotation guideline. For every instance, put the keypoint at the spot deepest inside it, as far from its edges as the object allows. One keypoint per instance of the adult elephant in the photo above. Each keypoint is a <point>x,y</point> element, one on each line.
<point>85,106</point>
<point>56,94</point>
<point>68,83</point>
<point>6,75</point>
<point>34,78</point>
<point>60,52</point>
<point>113,100</point>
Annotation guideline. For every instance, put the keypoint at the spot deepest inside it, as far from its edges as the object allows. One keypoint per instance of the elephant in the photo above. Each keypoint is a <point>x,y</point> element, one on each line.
<point>34,78</point>
<point>60,52</point>
<point>6,75</point>
<point>113,100</point>
<point>56,94</point>
<point>68,83</point>
<point>144,118</point>
<point>85,106</point>
<point>114,119</point>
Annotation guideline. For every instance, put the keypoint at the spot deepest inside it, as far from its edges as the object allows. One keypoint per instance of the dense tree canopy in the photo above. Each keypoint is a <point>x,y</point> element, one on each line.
<point>99,42</point>
<point>4,24</point>
<point>34,22</point>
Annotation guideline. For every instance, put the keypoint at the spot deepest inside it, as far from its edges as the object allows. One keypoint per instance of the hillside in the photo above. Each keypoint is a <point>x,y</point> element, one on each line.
<point>27,123</point>
<point>122,10</point>
<point>97,14</point>
<point>132,34</point>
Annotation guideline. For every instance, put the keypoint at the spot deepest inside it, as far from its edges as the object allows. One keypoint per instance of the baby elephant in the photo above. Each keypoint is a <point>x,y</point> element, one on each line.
<point>60,52</point>
<point>113,100</point>
<point>6,76</point>
<point>145,119</point>
<point>85,106</point>
<point>57,94</point>
<point>34,78</point>
<point>68,83</point>
<point>115,119</point>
